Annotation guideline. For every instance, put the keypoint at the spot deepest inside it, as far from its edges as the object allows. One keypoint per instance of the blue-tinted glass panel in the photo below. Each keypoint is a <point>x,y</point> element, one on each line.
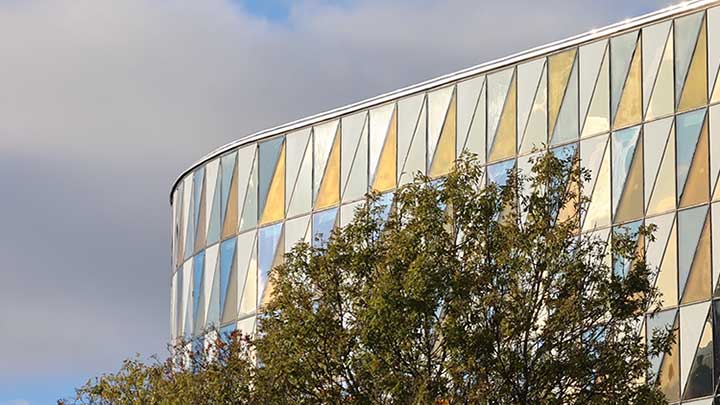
<point>227,167</point>
<point>566,152</point>
<point>323,223</point>
<point>621,266</point>
<point>198,272</point>
<point>385,201</point>
<point>213,233</point>
<point>500,172</point>
<point>226,331</point>
<point>197,191</point>
<point>688,130</point>
<point>623,151</point>
<point>178,302</point>
<point>190,231</point>
<point>268,239</point>
<point>227,258</point>
<point>659,322</point>
<point>690,224</point>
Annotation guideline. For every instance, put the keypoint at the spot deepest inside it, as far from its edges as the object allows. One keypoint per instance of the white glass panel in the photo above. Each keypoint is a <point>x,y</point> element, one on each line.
<point>654,38</point>
<point>379,125</point>
<point>468,97</point>
<point>354,156</point>
<point>323,138</point>
<point>438,103</point>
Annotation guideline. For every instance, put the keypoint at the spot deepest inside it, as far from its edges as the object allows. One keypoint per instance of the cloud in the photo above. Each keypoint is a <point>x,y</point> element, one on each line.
<point>103,103</point>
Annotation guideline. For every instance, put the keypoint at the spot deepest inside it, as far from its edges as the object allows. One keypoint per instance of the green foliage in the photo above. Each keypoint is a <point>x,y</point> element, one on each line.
<point>221,373</point>
<point>461,293</point>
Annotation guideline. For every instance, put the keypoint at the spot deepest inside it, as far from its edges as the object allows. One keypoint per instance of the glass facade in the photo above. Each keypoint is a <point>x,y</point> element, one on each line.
<point>639,106</point>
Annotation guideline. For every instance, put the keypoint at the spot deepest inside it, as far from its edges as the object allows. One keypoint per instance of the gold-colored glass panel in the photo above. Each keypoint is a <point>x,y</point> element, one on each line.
<point>386,172</point>
<point>559,67</point>
<point>669,376</point>
<point>697,187</point>
<point>275,204</point>
<point>698,284</point>
<point>231,215</point>
<point>504,145</point>
<point>330,187</point>
<point>445,152</point>
<point>631,202</point>
<point>630,110</point>
<point>662,101</point>
<point>663,196</point>
<point>695,90</point>
<point>667,276</point>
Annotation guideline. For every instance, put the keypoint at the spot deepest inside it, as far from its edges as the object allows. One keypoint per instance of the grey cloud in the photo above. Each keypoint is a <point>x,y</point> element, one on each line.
<point>103,103</point>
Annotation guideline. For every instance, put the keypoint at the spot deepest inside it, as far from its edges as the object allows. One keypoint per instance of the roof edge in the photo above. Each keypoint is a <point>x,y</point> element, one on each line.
<point>486,67</point>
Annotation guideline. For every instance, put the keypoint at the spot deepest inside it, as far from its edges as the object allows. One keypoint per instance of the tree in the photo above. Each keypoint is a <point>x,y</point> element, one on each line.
<point>462,293</point>
<point>218,373</point>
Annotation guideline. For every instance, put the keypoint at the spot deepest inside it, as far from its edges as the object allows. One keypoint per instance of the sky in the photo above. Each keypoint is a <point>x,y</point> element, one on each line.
<point>104,102</point>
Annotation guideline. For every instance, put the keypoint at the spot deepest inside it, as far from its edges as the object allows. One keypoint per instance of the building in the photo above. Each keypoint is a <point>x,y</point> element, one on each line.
<point>638,101</point>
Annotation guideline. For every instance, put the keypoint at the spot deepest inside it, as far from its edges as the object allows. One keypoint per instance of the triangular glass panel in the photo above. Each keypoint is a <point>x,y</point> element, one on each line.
<point>654,40</point>
<point>688,129</point>
<point>354,156</point>
<point>469,96</point>
<point>268,242</point>
<point>690,228</point>
<point>594,88</point>
<point>622,49</point>
<point>269,154</point>
<point>380,118</point>
<point>686,34</point>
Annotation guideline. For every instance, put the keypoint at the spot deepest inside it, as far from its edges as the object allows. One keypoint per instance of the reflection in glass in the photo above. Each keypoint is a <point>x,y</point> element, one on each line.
<point>471,117</point>
<point>228,280</point>
<point>690,226</point>
<point>248,219</point>
<point>268,242</point>
<point>594,88</point>
<point>595,156</point>
<point>627,174</point>
<point>659,154</point>
<point>247,272</point>
<point>268,160</point>
<point>354,157</point>
<point>689,144</point>
<point>500,172</point>
<point>198,273</point>
<point>323,223</point>
<point>622,49</point>
<point>700,379</point>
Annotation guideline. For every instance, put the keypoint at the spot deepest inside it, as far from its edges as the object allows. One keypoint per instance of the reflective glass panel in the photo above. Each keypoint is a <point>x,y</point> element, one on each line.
<point>323,223</point>
<point>268,159</point>
<point>499,172</point>
<point>268,241</point>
